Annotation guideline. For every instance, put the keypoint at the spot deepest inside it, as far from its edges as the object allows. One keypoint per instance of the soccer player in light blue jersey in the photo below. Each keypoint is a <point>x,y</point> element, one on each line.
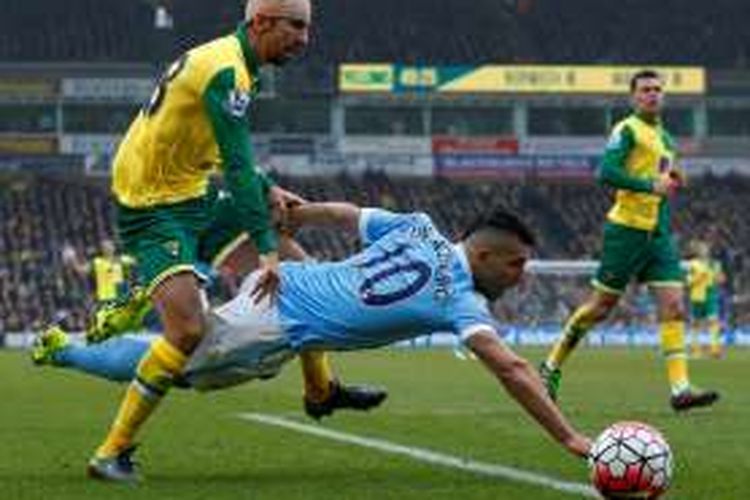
<point>407,281</point>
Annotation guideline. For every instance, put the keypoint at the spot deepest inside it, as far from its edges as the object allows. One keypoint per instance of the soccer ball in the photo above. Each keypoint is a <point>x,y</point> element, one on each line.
<point>631,460</point>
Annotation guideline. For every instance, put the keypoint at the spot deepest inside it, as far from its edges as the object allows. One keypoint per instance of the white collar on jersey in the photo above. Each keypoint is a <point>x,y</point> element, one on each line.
<point>461,252</point>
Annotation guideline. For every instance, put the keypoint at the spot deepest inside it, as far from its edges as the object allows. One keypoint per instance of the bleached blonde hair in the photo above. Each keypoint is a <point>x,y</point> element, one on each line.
<point>278,7</point>
<point>250,9</point>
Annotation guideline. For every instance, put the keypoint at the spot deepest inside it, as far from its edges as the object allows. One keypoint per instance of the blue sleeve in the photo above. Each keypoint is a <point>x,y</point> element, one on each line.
<point>471,315</point>
<point>374,223</point>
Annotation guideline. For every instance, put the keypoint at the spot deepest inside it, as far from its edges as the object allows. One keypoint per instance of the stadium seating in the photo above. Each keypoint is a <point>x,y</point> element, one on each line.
<point>42,215</point>
<point>429,32</point>
<point>638,31</point>
<point>74,30</point>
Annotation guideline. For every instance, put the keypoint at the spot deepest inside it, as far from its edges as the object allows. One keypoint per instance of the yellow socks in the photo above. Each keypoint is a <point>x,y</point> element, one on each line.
<point>673,348</point>
<point>576,328</point>
<point>154,377</point>
<point>318,375</point>
<point>695,349</point>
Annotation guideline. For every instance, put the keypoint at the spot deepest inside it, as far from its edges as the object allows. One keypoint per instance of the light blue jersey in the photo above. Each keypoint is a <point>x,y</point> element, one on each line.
<point>409,280</point>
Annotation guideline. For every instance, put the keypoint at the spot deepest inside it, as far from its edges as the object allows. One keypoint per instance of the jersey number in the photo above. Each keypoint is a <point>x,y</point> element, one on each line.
<point>157,98</point>
<point>416,274</point>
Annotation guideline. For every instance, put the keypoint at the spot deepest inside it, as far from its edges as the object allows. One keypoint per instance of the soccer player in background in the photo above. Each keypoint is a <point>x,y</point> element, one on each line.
<point>639,163</point>
<point>703,279</point>
<point>108,269</point>
<point>195,123</point>
<point>407,281</point>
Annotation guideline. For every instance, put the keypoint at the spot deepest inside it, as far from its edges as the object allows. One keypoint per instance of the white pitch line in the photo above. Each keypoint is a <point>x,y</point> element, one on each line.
<point>433,457</point>
<point>440,412</point>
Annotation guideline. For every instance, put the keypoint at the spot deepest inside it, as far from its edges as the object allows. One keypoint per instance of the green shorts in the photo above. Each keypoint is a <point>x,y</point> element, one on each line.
<point>227,230</point>
<point>707,309</point>
<point>224,234</point>
<point>169,239</point>
<point>649,257</point>
<point>164,239</point>
<point>699,310</point>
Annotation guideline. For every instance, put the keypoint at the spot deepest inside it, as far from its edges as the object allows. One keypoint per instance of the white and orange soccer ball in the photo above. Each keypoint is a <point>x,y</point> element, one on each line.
<point>631,460</point>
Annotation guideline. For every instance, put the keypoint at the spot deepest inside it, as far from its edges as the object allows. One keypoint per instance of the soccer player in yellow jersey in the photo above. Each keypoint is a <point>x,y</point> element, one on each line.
<point>195,124</point>
<point>639,162</point>
<point>704,277</point>
<point>698,281</point>
<point>109,271</point>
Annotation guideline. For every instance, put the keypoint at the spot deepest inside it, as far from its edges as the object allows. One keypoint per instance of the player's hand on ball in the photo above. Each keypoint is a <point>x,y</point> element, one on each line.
<point>579,445</point>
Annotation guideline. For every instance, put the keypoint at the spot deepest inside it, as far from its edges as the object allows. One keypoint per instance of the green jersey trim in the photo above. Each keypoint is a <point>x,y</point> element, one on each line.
<point>251,58</point>
<point>613,172</point>
<point>227,111</point>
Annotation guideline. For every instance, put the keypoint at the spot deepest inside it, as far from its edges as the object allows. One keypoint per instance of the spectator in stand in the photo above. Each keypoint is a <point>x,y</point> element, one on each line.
<point>545,31</point>
<point>38,215</point>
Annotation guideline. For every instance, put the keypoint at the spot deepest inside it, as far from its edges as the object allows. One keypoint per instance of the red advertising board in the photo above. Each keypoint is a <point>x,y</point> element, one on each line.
<point>480,144</point>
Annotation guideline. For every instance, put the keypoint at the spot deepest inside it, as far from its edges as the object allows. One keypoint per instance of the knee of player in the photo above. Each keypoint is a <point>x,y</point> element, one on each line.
<point>602,306</point>
<point>194,325</point>
<point>186,322</point>
<point>601,312</point>
<point>671,309</point>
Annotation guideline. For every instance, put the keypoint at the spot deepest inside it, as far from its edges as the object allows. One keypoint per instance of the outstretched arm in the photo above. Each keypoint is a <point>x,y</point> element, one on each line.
<point>522,382</point>
<point>336,214</point>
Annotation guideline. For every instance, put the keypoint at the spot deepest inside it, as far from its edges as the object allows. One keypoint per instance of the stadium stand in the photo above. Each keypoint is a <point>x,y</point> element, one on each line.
<point>435,31</point>
<point>634,32</point>
<point>75,30</point>
<point>40,216</point>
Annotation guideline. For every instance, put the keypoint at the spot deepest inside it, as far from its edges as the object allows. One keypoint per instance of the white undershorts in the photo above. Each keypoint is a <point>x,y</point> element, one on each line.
<point>244,342</point>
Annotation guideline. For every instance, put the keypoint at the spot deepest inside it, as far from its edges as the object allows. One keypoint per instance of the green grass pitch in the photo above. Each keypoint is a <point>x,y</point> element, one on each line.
<point>197,448</point>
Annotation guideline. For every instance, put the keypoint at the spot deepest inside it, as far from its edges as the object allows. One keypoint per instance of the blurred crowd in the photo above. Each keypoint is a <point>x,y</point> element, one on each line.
<point>47,222</point>
<point>42,220</point>
<point>428,32</point>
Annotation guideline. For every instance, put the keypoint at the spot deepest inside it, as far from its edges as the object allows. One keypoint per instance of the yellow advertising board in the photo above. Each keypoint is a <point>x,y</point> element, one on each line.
<point>571,80</point>
<point>366,77</point>
<point>28,87</point>
<point>27,144</point>
<point>512,79</point>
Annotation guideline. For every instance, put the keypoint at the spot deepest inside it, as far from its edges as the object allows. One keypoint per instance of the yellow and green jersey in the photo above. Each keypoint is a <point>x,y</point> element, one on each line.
<point>717,272</point>
<point>636,154</point>
<point>195,124</point>
<point>109,276</point>
<point>700,279</point>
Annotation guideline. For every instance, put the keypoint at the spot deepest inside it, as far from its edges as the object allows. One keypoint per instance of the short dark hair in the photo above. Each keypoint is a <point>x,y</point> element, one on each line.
<point>503,220</point>
<point>642,75</point>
